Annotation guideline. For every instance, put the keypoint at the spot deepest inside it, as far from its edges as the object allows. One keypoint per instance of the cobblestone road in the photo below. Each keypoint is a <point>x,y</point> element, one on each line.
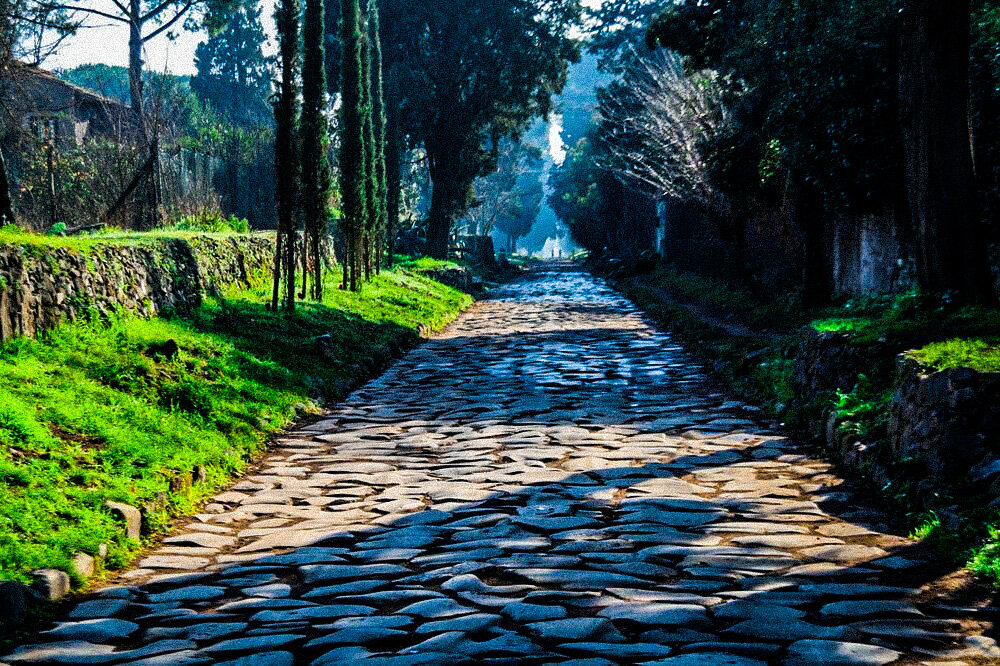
<point>550,481</point>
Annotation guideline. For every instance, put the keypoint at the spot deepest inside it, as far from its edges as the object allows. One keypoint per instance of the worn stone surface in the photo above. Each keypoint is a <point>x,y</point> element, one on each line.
<point>550,480</point>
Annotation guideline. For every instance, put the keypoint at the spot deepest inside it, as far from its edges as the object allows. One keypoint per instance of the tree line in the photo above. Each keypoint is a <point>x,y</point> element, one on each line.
<point>453,80</point>
<point>747,113</point>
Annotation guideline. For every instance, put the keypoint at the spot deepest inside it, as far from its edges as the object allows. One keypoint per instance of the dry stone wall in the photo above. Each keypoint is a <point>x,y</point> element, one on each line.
<point>948,422</point>
<point>942,430</point>
<point>42,287</point>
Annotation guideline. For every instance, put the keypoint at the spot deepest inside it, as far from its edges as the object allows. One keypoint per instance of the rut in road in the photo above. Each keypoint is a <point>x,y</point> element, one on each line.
<point>550,480</point>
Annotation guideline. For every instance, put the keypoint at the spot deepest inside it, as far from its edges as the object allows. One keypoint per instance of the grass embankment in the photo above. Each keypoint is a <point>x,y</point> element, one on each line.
<point>751,343</point>
<point>103,410</point>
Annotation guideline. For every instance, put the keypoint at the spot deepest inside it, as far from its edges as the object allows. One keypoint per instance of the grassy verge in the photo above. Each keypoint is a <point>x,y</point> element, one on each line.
<point>759,368</point>
<point>107,410</point>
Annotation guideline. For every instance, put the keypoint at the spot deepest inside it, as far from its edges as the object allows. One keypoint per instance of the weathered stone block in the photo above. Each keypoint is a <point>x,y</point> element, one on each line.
<point>129,515</point>
<point>83,565</point>
<point>51,584</point>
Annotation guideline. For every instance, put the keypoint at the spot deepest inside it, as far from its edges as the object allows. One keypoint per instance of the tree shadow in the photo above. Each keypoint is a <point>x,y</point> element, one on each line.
<point>578,495</point>
<point>628,562</point>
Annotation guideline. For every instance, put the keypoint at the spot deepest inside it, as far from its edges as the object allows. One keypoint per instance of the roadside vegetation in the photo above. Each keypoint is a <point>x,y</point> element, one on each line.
<point>161,413</point>
<point>750,343</point>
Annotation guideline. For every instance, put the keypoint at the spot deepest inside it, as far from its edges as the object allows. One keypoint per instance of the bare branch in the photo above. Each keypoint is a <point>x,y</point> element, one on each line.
<point>166,26</point>
<point>656,124</point>
<point>53,6</point>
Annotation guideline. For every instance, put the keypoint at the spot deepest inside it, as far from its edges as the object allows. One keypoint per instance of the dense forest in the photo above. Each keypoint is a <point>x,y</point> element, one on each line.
<point>773,130</point>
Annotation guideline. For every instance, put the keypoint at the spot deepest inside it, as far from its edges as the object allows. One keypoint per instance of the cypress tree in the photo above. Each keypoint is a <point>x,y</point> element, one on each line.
<point>379,122</point>
<point>393,162</point>
<point>371,178</point>
<point>315,142</point>
<point>286,154</point>
<point>352,146</point>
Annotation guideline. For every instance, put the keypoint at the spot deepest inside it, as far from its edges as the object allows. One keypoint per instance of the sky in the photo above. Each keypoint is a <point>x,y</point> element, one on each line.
<point>106,42</point>
<point>103,41</point>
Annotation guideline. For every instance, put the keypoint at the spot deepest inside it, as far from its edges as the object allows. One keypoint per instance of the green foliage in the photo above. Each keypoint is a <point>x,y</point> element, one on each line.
<point>864,410</point>
<point>585,197</point>
<point>234,76</point>
<point>211,222</point>
<point>471,73</point>
<point>88,179</point>
<point>840,325</point>
<point>90,413</point>
<point>985,559</point>
<point>509,198</point>
<point>816,93</point>
<point>976,354</point>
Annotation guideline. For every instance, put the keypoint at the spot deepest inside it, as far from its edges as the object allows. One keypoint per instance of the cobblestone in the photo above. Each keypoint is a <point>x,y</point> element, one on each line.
<point>550,480</point>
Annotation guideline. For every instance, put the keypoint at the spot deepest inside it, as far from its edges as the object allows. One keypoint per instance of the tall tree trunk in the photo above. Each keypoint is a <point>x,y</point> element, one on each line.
<point>442,205</point>
<point>368,135</point>
<point>393,163</point>
<point>135,83</point>
<point>7,215</point>
<point>276,285</point>
<point>353,171</point>
<point>315,172</point>
<point>379,121</point>
<point>286,140</point>
<point>934,99</point>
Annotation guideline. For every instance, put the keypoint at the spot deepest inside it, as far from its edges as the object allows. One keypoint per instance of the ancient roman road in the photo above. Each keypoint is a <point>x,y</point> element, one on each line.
<point>549,481</point>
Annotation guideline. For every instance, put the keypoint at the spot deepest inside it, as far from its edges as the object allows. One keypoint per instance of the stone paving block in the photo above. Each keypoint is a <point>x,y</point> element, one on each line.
<point>549,480</point>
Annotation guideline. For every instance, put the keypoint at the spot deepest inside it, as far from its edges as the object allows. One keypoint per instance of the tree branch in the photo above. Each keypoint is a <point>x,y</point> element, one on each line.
<point>166,26</point>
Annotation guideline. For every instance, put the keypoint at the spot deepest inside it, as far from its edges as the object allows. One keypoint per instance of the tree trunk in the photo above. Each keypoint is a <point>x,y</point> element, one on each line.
<point>286,141</point>
<point>393,164</point>
<point>816,273</point>
<point>135,83</point>
<point>442,205</point>
<point>276,285</point>
<point>934,96</point>
<point>7,215</point>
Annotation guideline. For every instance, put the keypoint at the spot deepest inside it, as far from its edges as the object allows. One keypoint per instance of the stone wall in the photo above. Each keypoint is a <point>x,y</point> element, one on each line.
<point>42,287</point>
<point>826,362</point>
<point>947,422</point>
<point>456,278</point>
<point>943,430</point>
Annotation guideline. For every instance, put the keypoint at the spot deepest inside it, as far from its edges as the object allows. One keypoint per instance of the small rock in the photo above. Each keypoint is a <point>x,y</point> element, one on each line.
<point>83,565</point>
<point>94,631</point>
<point>98,608</point>
<point>52,584</point>
<point>130,515</point>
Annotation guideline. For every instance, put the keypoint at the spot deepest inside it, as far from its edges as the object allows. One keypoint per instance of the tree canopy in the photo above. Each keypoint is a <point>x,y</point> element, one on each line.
<point>234,77</point>
<point>472,73</point>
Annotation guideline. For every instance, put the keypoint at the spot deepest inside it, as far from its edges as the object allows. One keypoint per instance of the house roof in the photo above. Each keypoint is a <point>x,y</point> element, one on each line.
<point>38,73</point>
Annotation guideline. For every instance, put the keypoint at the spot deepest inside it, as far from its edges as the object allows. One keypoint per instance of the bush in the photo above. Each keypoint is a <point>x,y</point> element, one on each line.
<point>212,222</point>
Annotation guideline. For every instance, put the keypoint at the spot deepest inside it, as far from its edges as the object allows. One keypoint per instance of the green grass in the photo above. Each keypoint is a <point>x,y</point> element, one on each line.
<point>425,264</point>
<point>90,413</point>
<point>976,354</point>
<point>12,235</point>
<point>840,325</point>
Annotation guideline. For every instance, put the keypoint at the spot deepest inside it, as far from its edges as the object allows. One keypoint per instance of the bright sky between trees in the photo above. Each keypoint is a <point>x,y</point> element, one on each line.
<point>105,42</point>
